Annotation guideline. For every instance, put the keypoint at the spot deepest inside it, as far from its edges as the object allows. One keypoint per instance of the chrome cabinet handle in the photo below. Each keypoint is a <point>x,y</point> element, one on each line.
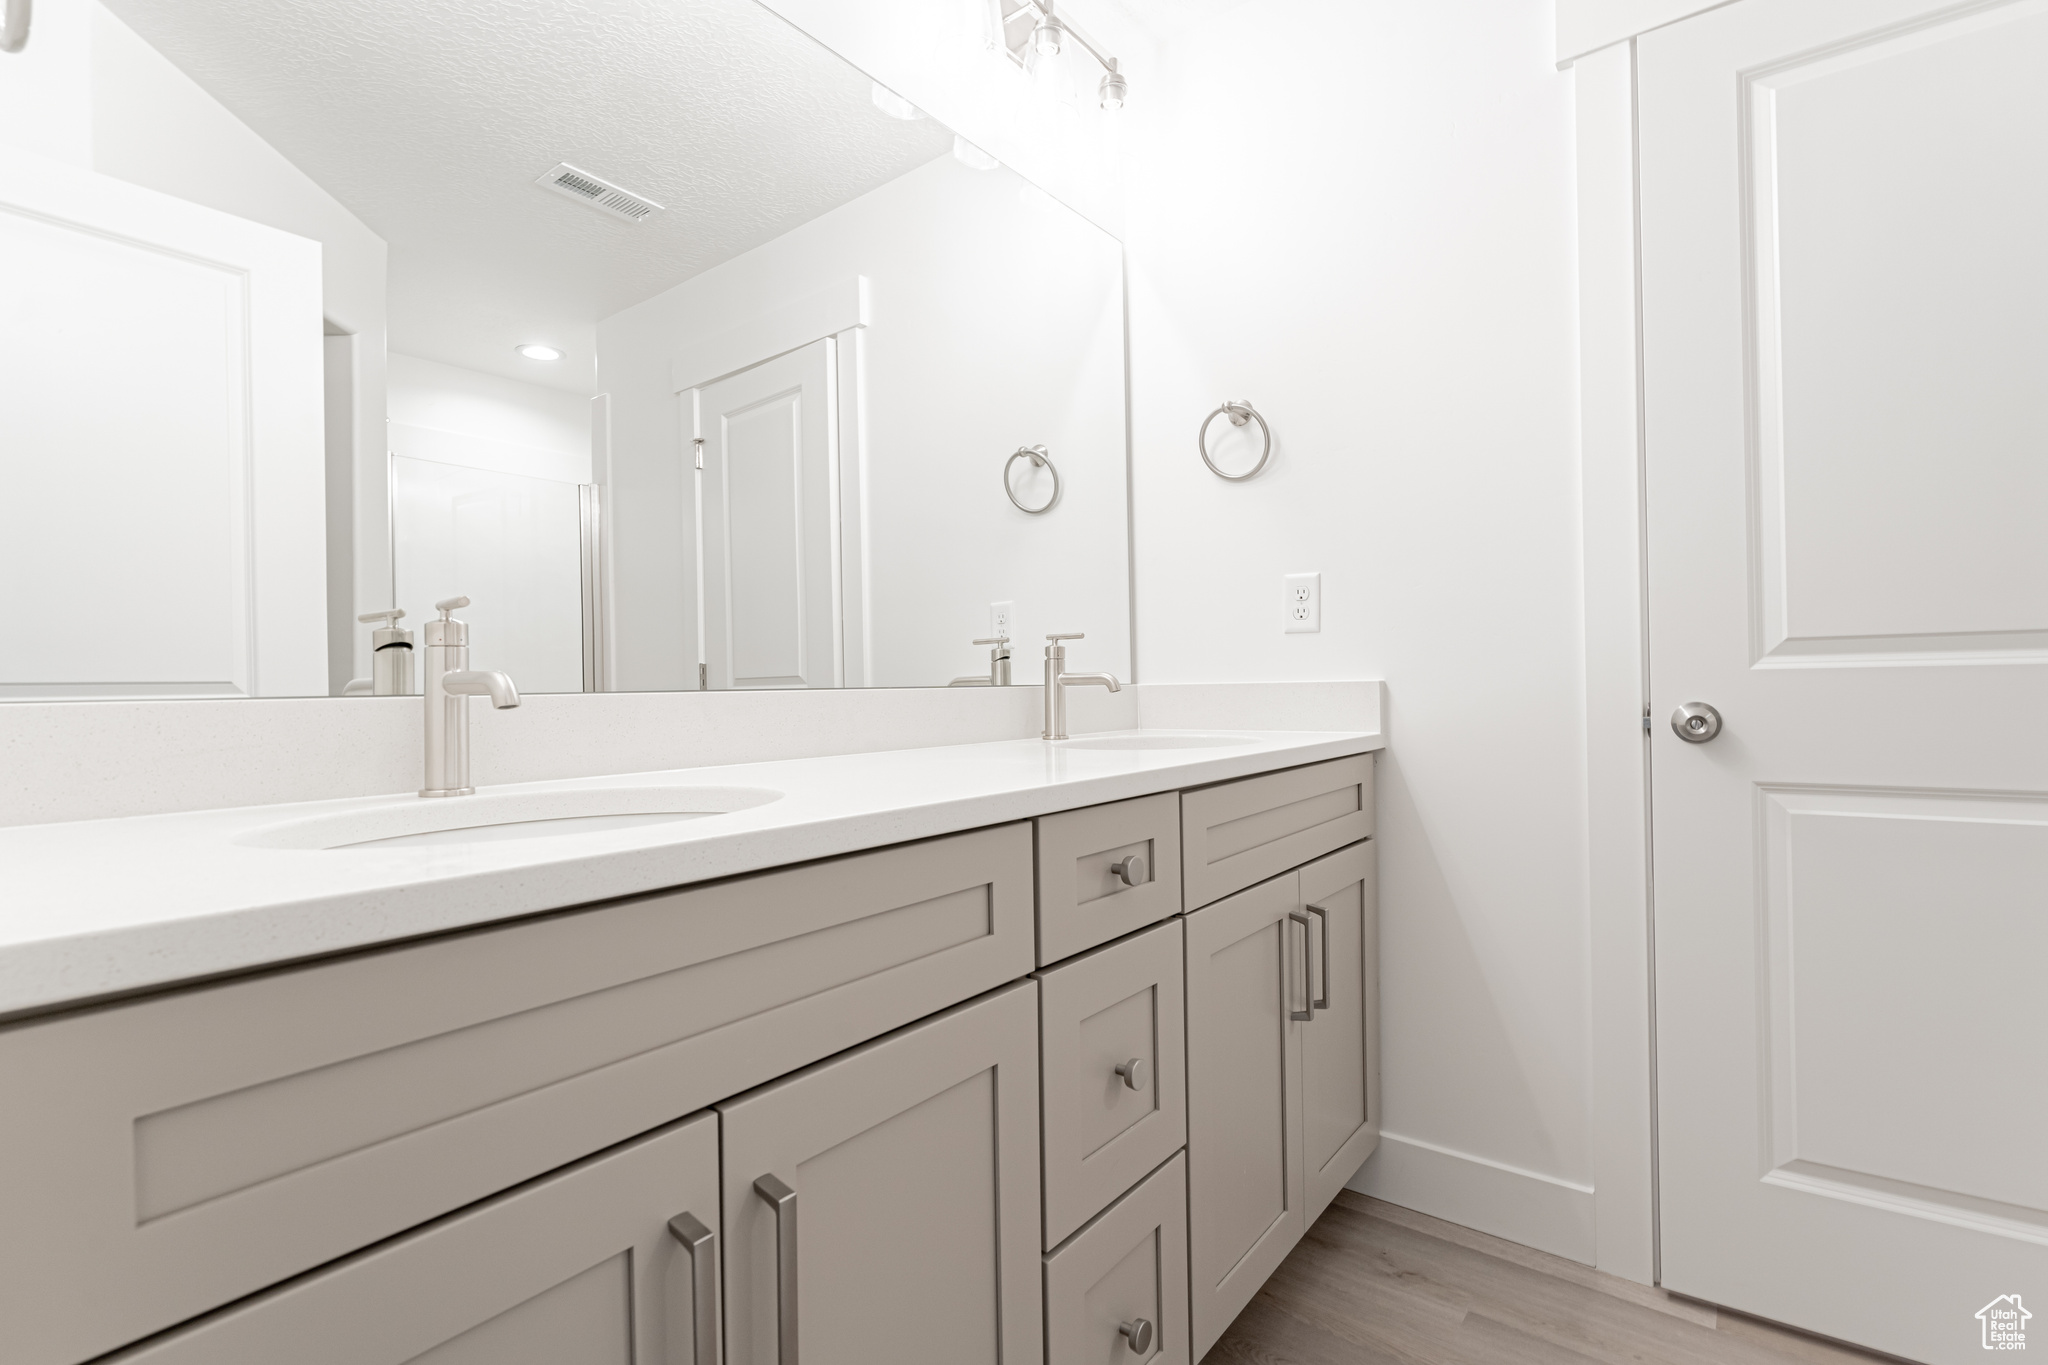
<point>1322,913</point>
<point>1134,1072</point>
<point>1137,1334</point>
<point>702,1244</point>
<point>1130,871</point>
<point>1308,1015</point>
<point>783,1199</point>
<point>1696,722</point>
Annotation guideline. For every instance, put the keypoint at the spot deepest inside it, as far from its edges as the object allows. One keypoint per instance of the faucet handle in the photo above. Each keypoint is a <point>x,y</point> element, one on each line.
<point>392,617</point>
<point>1077,635</point>
<point>994,640</point>
<point>448,604</point>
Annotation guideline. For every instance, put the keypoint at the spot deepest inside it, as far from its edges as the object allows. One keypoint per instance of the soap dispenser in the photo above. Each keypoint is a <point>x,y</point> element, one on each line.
<point>390,658</point>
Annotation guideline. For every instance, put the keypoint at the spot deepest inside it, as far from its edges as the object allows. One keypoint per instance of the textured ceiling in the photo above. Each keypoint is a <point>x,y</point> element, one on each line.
<point>430,120</point>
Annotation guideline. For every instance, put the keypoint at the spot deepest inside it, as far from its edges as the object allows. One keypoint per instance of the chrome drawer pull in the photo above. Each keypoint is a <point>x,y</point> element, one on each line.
<point>1137,1334</point>
<point>1130,871</point>
<point>1308,1015</point>
<point>702,1244</point>
<point>1323,914</point>
<point>783,1199</point>
<point>1134,1072</point>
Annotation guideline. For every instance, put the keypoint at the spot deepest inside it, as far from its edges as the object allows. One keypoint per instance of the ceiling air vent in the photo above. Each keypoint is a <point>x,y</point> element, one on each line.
<point>603,195</point>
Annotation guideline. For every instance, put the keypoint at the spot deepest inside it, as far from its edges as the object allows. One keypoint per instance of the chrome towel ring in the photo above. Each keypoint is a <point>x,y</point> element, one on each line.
<point>1039,459</point>
<point>1239,414</point>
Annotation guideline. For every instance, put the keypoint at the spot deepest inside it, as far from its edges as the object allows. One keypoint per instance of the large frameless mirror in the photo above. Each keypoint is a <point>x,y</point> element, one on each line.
<point>690,355</point>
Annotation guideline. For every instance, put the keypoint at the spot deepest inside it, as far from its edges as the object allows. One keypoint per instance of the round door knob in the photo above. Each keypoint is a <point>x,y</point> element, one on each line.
<point>1130,871</point>
<point>1137,1335</point>
<point>1696,722</point>
<point>1134,1072</point>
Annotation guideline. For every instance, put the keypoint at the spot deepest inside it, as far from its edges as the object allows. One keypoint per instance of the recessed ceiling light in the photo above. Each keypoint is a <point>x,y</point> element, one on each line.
<point>536,351</point>
<point>893,104</point>
<point>967,154</point>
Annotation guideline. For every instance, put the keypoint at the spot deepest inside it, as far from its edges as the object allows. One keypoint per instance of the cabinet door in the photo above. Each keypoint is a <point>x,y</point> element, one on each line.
<point>906,1232</point>
<point>1340,1072</point>
<point>581,1266</point>
<point>1244,983</point>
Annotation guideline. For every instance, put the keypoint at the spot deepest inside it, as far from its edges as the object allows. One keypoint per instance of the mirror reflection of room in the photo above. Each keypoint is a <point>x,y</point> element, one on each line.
<point>688,353</point>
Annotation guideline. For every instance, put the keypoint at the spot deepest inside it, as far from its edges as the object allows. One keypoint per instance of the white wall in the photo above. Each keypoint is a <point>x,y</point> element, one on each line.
<point>995,322</point>
<point>1360,217</point>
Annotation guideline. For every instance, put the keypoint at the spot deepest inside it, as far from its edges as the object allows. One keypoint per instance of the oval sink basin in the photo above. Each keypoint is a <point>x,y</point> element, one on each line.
<point>498,817</point>
<point>1157,742</point>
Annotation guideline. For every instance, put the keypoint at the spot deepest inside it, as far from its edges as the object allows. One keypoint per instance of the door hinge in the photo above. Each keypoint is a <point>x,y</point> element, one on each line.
<point>1646,720</point>
<point>698,443</point>
<point>704,684</point>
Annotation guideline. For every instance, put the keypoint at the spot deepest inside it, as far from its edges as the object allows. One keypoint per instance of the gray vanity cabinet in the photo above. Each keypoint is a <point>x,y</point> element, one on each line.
<point>883,1205</point>
<point>232,1135</point>
<point>1340,1070</point>
<point>579,1266</point>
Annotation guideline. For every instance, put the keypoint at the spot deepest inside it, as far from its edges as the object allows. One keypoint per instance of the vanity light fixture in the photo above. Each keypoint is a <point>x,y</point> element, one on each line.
<point>533,350</point>
<point>1031,31</point>
<point>893,104</point>
<point>1113,89</point>
<point>967,154</point>
<point>1046,37</point>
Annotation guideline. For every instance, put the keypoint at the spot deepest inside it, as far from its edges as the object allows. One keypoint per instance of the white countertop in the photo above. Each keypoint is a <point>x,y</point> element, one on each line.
<point>91,908</point>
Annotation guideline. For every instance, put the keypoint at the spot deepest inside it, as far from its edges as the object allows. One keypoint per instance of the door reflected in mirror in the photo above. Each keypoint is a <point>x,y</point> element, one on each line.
<point>689,354</point>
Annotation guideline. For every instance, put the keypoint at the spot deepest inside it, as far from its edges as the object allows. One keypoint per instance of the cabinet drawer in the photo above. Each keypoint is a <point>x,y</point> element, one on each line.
<point>1129,1266</point>
<point>234,1135</point>
<point>1082,901</point>
<point>909,1173</point>
<point>1117,1006</point>
<point>580,1266</point>
<point>1236,834</point>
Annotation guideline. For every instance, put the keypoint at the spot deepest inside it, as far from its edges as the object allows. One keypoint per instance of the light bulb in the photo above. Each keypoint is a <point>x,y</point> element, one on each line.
<point>1048,35</point>
<point>1113,90</point>
<point>535,351</point>
<point>967,154</point>
<point>893,104</point>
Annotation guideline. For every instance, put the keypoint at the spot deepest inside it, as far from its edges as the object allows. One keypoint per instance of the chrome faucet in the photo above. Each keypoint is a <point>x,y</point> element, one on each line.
<point>998,666</point>
<point>450,683</point>
<point>1058,680</point>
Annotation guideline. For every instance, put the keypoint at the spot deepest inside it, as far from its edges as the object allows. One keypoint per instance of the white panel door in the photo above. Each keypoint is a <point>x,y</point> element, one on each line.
<point>1845,275</point>
<point>771,528</point>
<point>510,543</point>
<point>162,532</point>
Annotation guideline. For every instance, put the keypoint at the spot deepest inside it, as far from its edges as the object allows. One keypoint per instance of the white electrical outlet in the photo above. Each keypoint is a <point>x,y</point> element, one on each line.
<point>1001,616</point>
<point>1304,603</point>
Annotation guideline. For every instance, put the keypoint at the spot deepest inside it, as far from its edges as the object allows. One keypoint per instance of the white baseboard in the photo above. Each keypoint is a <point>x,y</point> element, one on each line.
<point>1536,1210</point>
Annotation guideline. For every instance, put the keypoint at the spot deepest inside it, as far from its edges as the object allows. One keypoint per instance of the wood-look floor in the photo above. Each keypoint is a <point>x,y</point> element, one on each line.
<point>1375,1284</point>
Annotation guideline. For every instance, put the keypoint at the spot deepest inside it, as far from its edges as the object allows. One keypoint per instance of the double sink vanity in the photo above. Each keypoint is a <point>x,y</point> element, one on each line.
<point>1014,1051</point>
